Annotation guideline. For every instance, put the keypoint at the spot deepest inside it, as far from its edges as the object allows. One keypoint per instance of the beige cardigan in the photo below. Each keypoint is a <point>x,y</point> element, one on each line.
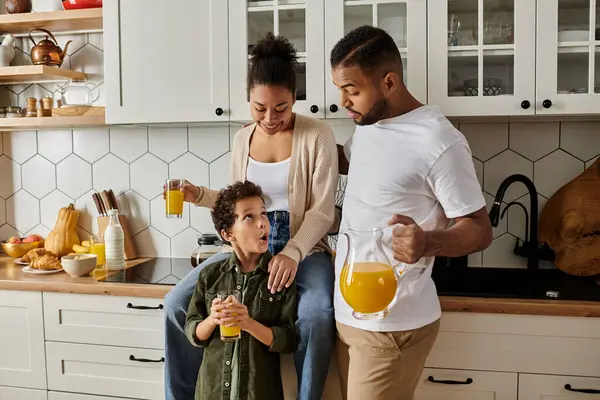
<point>312,183</point>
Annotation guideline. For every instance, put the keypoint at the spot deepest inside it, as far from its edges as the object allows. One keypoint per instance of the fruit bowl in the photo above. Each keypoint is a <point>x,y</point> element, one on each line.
<point>79,264</point>
<point>18,249</point>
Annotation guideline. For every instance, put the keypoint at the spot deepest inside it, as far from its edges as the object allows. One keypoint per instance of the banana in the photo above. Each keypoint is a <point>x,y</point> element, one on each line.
<point>85,243</point>
<point>80,249</point>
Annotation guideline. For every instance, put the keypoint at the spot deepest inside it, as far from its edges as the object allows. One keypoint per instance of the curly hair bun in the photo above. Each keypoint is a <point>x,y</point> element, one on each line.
<point>272,46</point>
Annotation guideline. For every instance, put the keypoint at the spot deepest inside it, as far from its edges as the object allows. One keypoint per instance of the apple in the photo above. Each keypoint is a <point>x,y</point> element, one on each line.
<point>14,240</point>
<point>32,238</point>
<point>38,238</point>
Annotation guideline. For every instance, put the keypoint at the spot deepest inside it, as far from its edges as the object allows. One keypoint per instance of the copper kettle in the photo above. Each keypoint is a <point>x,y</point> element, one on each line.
<point>46,52</point>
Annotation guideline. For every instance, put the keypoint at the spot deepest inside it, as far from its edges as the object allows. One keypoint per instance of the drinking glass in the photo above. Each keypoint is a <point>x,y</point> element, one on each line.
<point>97,247</point>
<point>174,198</point>
<point>230,333</point>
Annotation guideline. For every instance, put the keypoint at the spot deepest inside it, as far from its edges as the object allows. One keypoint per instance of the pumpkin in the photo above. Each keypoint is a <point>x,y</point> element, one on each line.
<point>64,235</point>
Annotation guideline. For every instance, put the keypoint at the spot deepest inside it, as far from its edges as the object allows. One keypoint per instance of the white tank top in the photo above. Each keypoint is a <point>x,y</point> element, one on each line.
<point>273,179</point>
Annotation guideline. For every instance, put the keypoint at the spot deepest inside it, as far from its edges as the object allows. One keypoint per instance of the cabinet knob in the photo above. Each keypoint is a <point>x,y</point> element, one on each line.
<point>525,104</point>
<point>219,111</point>
<point>314,109</point>
<point>333,108</point>
<point>546,103</point>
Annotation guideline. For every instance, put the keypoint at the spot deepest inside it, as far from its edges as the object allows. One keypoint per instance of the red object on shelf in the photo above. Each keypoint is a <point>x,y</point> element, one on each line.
<point>81,4</point>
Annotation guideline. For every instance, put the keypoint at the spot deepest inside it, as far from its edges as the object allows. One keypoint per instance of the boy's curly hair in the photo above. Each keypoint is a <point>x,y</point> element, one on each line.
<point>223,213</point>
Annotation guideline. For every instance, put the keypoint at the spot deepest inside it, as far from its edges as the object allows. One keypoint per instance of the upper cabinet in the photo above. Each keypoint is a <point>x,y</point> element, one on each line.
<point>301,21</point>
<point>404,20</point>
<point>568,49</point>
<point>482,56</point>
<point>166,61</point>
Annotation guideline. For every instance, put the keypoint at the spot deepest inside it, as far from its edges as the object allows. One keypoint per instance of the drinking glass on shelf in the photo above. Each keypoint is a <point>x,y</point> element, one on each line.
<point>97,247</point>
<point>230,333</point>
<point>174,198</point>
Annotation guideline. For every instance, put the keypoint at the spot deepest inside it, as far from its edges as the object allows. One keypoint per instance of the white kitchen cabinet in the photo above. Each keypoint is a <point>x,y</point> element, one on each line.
<point>404,20</point>
<point>301,21</point>
<point>447,384</point>
<point>482,56</point>
<point>79,396</point>
<point>12,393</point>
<point>104,320</point>
<point>568,57</point>
<point>556,387</point>
<point>22,361</point>
<point>166,61</point>
<point>104,370</point>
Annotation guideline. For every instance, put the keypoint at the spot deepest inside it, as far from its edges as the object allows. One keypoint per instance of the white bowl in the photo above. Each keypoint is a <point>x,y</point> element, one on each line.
<point>79,264</point>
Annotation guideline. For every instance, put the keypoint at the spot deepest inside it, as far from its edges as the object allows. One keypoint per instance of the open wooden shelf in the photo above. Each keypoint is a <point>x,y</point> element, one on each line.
<point>51,122</point>
<point>54,21</point>
<point>36,73</point>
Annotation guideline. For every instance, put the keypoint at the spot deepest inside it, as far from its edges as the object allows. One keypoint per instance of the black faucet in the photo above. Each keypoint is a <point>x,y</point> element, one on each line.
<point>531,248</point>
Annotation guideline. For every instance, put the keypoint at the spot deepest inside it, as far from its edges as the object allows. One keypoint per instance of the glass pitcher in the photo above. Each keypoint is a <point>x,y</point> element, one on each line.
<point>368,280</point>
<point>78,92</point>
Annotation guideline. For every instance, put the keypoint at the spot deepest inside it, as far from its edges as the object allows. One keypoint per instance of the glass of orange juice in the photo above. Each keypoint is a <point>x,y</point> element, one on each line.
<point>230,333</point>
<point>97,248</point>
<point>174,198</point>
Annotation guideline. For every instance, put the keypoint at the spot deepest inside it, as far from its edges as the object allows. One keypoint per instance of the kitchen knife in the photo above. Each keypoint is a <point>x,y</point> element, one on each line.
<point>98,203</point>
<point>113,199</point>
<point>106,201</point>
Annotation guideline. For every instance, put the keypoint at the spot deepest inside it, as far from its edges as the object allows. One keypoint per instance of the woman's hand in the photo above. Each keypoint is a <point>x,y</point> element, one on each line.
<point>236,314</point>
<point>190,191</point>
<point>282,271</point>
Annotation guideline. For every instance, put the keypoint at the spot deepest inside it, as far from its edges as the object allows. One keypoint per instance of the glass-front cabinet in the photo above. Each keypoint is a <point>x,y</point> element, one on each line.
<point>404,20</point>
<point>568,53</point>
<point>482,56</point>
<point>301,21</point>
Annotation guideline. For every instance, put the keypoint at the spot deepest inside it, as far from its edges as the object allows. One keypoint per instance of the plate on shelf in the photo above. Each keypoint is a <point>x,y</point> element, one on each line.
<point>20,261</point>
<point>80,4</point>
<point>29,270</point>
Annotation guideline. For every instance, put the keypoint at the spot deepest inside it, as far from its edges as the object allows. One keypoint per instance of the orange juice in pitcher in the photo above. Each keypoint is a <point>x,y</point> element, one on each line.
<point>368,281</point>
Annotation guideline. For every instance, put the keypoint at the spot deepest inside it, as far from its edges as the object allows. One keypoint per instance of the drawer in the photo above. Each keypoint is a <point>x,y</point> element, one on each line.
<point>103,370</point>
<point>539,387</point>
<point>104,320</point>
<point>448,384</point>
<point>79,396</point>
<point>10,393</point>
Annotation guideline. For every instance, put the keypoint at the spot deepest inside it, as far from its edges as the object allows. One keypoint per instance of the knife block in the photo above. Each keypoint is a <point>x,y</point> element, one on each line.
<point>130,252</point>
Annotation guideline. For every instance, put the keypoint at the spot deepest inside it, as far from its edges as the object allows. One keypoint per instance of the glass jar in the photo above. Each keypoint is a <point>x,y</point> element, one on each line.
<point>79,93</point>
<point>208,245</point>
<point>13,112</point>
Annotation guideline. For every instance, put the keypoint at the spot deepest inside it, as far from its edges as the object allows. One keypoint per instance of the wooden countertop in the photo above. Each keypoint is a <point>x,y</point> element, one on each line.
<point>13,278</point>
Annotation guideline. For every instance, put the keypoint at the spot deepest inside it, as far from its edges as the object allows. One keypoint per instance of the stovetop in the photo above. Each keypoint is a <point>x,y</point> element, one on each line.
<point>157,271</point>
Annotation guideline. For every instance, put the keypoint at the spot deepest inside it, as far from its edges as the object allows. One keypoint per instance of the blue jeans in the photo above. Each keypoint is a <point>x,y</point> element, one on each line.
<point>314,281</point>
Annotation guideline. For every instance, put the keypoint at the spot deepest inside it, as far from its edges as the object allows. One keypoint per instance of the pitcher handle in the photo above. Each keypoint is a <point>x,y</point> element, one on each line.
<point>94,87</point>
<point>348,241</point>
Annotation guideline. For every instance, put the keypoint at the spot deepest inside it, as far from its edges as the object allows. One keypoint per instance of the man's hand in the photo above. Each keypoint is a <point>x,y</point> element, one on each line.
<point>236,314</point>
<point>282,272</point>
<point>409,241</point>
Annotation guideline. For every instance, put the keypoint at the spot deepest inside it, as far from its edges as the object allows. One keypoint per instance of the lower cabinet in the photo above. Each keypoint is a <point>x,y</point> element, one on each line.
<point>77,396</point>
<point>103,370</point>
<point>556,387</point>
<point>11,393</point>
<point>448,384</point>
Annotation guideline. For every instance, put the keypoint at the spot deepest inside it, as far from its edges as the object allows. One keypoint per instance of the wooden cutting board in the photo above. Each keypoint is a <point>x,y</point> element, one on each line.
<point>570,224</point>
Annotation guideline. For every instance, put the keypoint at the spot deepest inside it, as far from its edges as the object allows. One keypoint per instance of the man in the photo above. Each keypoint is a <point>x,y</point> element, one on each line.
<point>409,168</point>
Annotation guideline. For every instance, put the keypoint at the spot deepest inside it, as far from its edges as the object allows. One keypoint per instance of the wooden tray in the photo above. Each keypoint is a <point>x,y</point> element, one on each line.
<point>77,111</point>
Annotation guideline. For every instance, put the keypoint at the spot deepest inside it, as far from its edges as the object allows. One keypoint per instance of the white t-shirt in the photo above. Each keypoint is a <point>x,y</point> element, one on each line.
<point>273,180</point>
<point>416,165</point>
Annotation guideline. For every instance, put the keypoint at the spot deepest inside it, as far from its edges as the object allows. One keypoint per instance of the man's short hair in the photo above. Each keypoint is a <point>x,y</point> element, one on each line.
<point>368,48</point>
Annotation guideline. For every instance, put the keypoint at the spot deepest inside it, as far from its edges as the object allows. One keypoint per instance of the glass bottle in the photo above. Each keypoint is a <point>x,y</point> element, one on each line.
<point>114,242</point>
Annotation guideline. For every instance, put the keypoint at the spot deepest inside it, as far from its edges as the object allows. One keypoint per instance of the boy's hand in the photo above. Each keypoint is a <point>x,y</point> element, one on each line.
<point>236,314</point>
<point>216,311</point>
<point>282,272</point>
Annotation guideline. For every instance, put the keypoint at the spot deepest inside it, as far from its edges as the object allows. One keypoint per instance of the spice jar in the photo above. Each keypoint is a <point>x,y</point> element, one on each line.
<point>46,104</point>
<point>31,108</point>
<point>208,245</point>
<point>13,112</point>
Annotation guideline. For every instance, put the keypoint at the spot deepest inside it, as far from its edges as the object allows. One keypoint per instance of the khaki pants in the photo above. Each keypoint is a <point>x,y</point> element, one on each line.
<point>382,365</point>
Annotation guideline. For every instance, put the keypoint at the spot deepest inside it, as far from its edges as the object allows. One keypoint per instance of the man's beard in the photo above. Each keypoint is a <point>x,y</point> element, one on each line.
<point>375,114</point>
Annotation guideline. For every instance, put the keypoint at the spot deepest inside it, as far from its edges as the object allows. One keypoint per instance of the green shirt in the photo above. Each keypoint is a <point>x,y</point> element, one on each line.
<point>257,370</point>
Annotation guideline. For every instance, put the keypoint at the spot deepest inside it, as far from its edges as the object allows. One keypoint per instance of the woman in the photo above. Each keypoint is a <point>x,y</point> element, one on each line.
<point>294,159</point>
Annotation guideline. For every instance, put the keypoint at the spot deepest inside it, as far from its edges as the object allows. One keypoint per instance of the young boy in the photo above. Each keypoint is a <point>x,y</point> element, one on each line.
<point>249,367</point>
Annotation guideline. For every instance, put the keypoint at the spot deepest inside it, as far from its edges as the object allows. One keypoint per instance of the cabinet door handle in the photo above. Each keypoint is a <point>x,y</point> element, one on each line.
<point>145,360</point>
<point>314,109</point>
<point>525,104</point>
<point>589,391</point>
<point>546,103</point>
<point>219,111</point>
<point>450,382</point>
<point>333,108</point>
<point>158,307</point>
